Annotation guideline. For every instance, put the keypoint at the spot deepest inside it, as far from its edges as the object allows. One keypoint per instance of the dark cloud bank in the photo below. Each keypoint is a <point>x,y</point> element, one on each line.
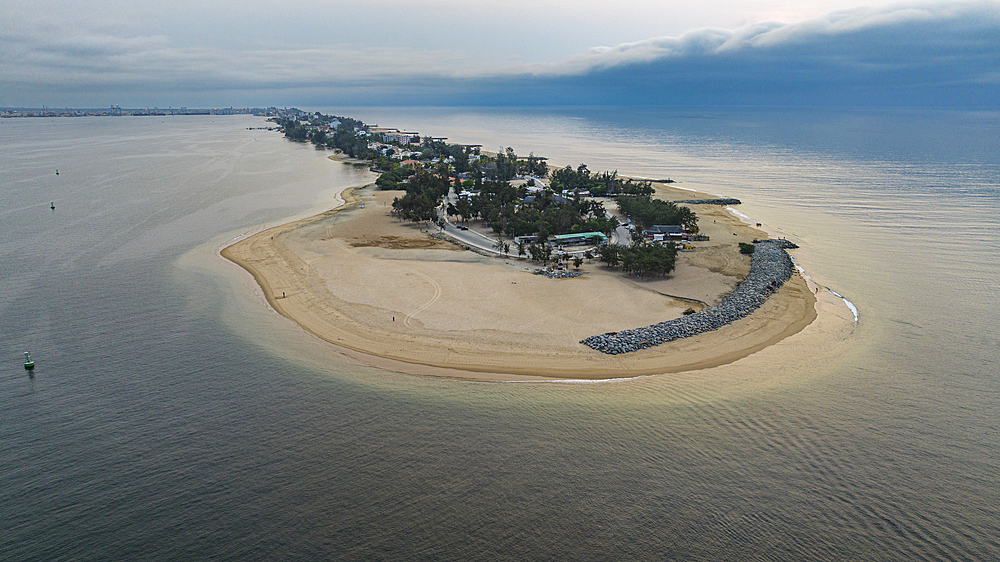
<point>943,55</point>
<point>952,61</point>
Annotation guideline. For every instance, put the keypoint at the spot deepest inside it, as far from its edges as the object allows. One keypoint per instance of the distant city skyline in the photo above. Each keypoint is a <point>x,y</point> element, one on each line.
<point>85,54</point>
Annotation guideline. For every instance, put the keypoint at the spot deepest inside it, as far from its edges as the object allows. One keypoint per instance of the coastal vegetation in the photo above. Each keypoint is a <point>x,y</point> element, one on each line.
<point>329,131</point>
<point>505,165</point>
<point>510,211</point>
<point>646,211</point>
<point>643,259</point>
<point>505,191</point>
<point>423,196</point>
<point>605,184</point>
<point>448,318</point>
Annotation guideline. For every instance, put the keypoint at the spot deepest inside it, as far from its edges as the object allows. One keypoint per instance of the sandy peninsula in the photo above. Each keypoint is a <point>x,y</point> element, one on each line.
<point>386,293</point>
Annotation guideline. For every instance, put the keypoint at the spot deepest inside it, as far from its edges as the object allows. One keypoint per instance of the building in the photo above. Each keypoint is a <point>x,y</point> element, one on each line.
<point>401,138</point>
<point>660,232</point>
<point>581,238</point>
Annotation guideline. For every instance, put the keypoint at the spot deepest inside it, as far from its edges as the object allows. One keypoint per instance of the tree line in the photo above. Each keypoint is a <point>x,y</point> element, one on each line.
<point>643,259</point>
<point>509,211</point>
<point>423,196</point>
<point>506,209</point>
<point>599,185</point>
<point>646,212</point>
<point>344,136</point>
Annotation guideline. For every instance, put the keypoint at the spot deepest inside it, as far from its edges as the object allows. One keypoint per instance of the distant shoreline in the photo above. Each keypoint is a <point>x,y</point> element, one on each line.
<point>115,111</point>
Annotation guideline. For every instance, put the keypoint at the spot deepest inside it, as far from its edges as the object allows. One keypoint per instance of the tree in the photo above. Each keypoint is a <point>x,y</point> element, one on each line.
<point>422,199</point>
<point>577,262</point>
<point>611,254</point>
<point>543,233</point>
<point>646,211</point>
<point>535,252</point>
<point>653,259</point>
<point>295,132</point>
<point>641,259</point>
<point>637,235</point>
<point>464,208</point>
<point>540,252</point>
<point>535,165</point>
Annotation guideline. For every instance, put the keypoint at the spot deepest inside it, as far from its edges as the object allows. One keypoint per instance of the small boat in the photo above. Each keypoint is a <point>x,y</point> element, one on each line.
<point>28,362</point>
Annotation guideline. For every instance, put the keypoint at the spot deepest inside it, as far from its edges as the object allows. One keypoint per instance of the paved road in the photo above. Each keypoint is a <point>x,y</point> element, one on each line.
<point>473,238</point>
<point>621,235</point>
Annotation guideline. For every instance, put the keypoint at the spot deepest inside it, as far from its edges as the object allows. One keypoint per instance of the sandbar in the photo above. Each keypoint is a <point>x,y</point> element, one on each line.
<point>386,293</point>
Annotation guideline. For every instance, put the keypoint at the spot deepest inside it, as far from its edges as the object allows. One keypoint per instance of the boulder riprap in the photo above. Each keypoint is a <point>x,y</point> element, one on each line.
<point>723,201</point>
<point>557,273</point>
<point>770,267</point>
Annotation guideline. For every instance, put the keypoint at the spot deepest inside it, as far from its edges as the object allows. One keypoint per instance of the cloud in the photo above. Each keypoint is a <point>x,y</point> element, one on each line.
<point>884,27</point>
<point>89,58</point>
<point>946,54</point>
<point>948,51</point>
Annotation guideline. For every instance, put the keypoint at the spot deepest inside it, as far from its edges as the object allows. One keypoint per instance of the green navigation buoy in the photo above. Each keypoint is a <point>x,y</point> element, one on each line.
<point>28,362</point>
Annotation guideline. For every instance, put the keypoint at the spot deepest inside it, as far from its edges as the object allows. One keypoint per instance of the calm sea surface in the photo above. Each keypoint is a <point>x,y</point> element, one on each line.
<point>171,415</point>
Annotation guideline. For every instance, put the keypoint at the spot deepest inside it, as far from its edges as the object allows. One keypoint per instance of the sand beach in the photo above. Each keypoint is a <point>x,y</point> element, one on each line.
<point>386,293</point>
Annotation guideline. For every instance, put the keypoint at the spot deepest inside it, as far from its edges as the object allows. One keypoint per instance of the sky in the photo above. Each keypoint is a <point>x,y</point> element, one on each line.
<point>95,53</point>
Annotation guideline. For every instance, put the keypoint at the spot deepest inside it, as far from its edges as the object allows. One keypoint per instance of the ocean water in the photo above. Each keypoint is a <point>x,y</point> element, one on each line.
<point>172,415</point>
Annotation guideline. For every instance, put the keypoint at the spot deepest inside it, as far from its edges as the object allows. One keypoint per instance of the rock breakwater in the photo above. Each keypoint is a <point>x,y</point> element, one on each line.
<point>557,274</point>
<point>770,267</point>
<point>725,201</point>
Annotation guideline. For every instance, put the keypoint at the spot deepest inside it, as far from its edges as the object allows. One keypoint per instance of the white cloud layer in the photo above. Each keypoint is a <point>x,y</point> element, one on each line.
<point>760,36</point>
<point>59,61</point>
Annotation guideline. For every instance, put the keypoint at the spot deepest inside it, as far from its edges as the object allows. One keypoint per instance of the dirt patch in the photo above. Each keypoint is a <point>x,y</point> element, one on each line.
<point>400,243</point>
<point>726,260</point>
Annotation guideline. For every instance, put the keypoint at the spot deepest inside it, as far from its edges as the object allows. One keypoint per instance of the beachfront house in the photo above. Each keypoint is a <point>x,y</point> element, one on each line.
<point>662,232</point>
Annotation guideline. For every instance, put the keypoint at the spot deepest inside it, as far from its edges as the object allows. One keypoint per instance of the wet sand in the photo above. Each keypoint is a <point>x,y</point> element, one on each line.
<point>385,293</point>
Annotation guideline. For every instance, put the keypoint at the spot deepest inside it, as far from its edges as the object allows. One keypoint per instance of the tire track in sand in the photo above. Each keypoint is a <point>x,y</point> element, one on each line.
<point>437,294</point>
